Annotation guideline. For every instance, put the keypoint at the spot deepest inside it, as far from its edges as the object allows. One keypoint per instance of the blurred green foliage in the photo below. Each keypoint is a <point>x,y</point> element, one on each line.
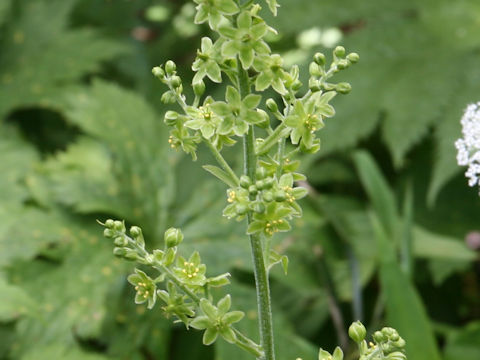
<point>81,137</point>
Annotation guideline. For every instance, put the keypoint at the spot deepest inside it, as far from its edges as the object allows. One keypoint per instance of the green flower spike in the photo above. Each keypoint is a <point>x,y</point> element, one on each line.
<point>213,11</point>
<point>237,113</point>
<point>203,119</point>
<point>191,271</point>
<point>245,40</point>
<point>175,304</point>
<point>270,73</point>
<point>205,64</point>
<point>217,320</point>
<point>145,287</point>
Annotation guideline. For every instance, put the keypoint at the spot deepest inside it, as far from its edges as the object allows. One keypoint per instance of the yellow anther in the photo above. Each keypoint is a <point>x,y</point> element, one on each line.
<point>274,222</point>
<point>280,221</point>
<point>268,225</point>
<point>185,263</point>
<point>184,271</point>
<point>197,269</point>
<point>136,288</point>
<point>371,344</point>
<point>190,276</point>
<point>192,264</point>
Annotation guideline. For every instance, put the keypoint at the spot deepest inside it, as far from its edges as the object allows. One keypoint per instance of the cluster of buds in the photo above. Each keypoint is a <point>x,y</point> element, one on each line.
<point>272,201</point>
<point>186,293</point>
<point>386,344</point>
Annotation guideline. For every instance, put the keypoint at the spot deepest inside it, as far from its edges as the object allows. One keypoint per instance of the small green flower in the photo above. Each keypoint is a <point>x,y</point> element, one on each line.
<point>237,113</point>
<point>307,117</point>
<point>284,192</point>
<point>181,137</point>
<point>191,271</point>
<point>203,119</point>
<point>271,73</point>
<point>213,11</point>
<point>175,304</point>
<point>145,287</point>
<point>245,40</point>
<point>205,63</point>
<point>273,220</point>
<point>217,320</point>
<point>239,201</point>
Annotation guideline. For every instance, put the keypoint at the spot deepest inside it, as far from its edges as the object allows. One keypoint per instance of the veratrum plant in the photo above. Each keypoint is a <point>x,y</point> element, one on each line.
<point>264,195</point>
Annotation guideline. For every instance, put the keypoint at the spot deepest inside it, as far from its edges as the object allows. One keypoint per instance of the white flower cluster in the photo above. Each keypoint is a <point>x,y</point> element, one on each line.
<point>469,146</point>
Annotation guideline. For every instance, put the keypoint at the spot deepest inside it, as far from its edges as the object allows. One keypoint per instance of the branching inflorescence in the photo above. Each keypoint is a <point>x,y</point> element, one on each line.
<point>265,193</point>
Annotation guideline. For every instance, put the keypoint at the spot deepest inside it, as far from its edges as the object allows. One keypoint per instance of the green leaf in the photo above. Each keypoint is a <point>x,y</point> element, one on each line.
<point>464,344</point>
<point>275,258</point>
<point>220,174</point>
<point>404,306</point>
<point>15,302</point>
<point>382,198</point>
<point>137,188</point>
<point>41,57</point>
<point>429,245</point>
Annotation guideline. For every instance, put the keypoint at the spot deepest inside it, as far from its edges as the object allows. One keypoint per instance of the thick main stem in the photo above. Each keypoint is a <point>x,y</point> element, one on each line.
<point>260,270</point>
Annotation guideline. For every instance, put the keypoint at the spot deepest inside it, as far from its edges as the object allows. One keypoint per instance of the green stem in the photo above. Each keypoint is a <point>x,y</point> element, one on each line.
<point>271,140</point>
<point>222,162</point>
<point>261,276</point>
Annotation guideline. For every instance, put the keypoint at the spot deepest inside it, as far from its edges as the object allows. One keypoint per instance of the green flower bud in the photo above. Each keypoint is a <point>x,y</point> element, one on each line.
<point>120,252</point>
<point>314,69</point>
<point>400,343</point>
<point>199,88</point>
<point>245,181</point>
<point>108,233</point>
<point>319,58</point>
<point>280,196</point>
<point>268,183</point>
<point>296,85</point>
<point>109,223</point>
<point>158,72</point>
<point>265,122</point>
<point>170,67</point>
<point>267,196</point>
<point>260,184</point>
<point>343,64</point>
<point>168,97</point>
<point>171,118</point>
<point>378,336</point>
<point>339,51</point>
<point>135,231</point>
<point>343,88</point>
<point>120,241</point>
<point>260,173</point>
<point>173,237</point>
<point>252,190</point>
<point>313,85</point>
<point>118,225</point>
<point>259,208</point>
<point>176,81</point>
<point>272,105</point>
<point>353,57</point>
<point>357,331</point>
